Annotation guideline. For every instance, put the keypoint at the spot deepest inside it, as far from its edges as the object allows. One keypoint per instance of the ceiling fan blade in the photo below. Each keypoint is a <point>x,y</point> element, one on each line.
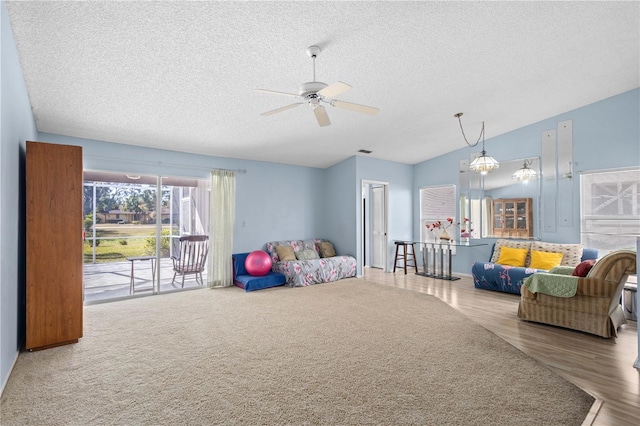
<point>355,107</point>
<point>273,92</point>
<point>321,116</point>
<point>284,108</point>
<point>334,89</point>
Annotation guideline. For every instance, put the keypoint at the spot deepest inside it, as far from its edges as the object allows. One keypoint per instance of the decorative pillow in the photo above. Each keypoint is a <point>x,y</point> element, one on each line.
<point>512,256</point>
<point>583,268</point>
<point>519,244</point>
<point>545,260</point>
<point>285,253</point>
<point>572,252</point>
<point>326,249</point>
<point>306,255</point>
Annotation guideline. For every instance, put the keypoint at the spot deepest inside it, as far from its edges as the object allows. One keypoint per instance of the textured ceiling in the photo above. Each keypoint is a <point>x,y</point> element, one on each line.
<point>180,75</point>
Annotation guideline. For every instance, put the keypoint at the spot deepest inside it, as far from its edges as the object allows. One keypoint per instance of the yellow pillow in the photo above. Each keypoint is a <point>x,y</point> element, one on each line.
<point>512,256</point>
<point>545,260</point>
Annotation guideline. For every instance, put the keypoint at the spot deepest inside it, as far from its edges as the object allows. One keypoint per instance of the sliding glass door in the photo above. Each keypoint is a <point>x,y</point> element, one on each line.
<point>187,216</point>
<point>132,229</point>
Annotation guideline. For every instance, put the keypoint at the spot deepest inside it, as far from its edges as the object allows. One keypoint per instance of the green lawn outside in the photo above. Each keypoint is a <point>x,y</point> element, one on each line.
<point>117,242</point>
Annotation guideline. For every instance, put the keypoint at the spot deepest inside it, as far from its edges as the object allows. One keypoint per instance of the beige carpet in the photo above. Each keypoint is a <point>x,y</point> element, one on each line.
<point>350,352</point>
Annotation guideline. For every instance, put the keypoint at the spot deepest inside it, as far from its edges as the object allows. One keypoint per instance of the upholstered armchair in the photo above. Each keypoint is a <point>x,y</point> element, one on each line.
<point>590,304</point>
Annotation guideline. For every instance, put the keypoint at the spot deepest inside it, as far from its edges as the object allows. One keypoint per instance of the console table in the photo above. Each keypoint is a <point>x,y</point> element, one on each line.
<point>438,258</point>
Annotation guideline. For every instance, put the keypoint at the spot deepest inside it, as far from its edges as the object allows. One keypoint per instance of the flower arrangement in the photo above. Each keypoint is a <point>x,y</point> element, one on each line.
<point>440,225</point>
<point>465,229</point>
<point>444,235</point>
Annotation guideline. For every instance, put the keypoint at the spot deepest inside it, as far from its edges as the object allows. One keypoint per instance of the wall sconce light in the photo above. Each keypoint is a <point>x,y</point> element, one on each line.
<point>485,163</point>
<point>525,174</point>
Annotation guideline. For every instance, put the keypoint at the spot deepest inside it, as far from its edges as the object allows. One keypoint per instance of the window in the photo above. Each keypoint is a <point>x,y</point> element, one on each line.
<point>610,210</point>
<point>123,217</point>
<point>437,203</point>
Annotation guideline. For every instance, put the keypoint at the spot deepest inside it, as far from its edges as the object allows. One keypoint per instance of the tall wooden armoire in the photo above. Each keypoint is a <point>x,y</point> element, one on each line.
<point>54,245</point>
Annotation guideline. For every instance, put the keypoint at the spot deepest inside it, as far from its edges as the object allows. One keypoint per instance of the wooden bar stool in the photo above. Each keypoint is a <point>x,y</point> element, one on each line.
<point>405,256</point>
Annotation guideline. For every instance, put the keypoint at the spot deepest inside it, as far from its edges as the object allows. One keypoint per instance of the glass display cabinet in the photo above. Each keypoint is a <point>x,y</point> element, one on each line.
<point>512,217</point>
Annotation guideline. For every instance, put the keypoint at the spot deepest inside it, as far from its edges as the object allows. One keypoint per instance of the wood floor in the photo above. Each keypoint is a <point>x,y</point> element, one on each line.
<point>601,367</point>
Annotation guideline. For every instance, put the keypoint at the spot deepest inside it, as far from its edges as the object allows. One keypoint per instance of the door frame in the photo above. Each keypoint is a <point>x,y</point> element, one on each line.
<point>365,236</point>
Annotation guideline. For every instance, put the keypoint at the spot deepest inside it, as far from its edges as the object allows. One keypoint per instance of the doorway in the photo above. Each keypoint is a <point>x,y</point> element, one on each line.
<point>132,228</point>
<point>374,222</point>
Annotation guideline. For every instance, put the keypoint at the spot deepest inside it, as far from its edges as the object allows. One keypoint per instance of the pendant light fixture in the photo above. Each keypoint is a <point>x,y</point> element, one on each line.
<point>525,174</point>
<point>485,163</point>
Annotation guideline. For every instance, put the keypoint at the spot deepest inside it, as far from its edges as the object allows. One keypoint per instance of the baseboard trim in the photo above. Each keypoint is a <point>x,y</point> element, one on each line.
<point>462,274</point>
<point>13,364</point>
<point>593,412</point>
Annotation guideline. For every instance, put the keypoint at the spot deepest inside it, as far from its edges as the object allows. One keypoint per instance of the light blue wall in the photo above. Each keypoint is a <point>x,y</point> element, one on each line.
<point>400,215</point>
<point>343,208</point>
<point>340,203</point>
<point>16,126</point>
<point>606,135</point>
<point>273,201</point>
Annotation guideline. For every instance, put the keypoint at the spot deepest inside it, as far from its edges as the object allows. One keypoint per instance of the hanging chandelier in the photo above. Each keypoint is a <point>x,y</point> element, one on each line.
<point>525,174</point>
<point>484,163</point>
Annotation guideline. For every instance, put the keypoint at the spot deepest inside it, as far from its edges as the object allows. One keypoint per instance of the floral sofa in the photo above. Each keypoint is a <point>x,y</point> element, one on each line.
<point>492,275</point>
<point>306,262</point>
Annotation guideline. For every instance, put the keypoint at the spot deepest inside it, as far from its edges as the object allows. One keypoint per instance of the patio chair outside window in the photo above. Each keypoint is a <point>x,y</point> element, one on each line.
<point>191,257</point>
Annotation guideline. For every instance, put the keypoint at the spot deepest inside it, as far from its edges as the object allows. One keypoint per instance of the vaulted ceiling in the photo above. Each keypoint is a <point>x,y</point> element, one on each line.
<point>181,75</point>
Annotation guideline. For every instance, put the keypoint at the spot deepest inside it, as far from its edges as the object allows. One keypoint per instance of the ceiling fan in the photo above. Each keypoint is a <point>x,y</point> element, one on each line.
<point>315,92</point>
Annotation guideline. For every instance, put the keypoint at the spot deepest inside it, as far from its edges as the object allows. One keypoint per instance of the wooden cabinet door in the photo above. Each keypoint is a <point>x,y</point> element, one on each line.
<point>54,244</point>
<point>498,218</point>
<point>522,223</point>
<point>509,217</point>
<point>512,218</point>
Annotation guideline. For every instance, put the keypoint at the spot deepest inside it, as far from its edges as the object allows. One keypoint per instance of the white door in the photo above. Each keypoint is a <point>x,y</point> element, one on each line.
<point>377,227</point>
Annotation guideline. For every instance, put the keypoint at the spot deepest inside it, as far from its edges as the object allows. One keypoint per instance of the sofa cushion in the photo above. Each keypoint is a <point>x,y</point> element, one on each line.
<point>545,260</point>
<point>306,255</point>
<point>512,256</point>
<point>491,276</point>
<point>242,279</point>
<point>572,253</point>
<point>285,253</point>
<point>520,244</point>
<point>251,283</point>
<point>583,268</point>
<point>238,260</point>
<point>326,249</point>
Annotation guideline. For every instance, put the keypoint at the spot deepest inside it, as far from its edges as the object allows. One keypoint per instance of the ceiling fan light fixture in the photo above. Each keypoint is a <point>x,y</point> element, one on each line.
<point>525,174</point>
<point>314,92</point>
<point>485,163</point>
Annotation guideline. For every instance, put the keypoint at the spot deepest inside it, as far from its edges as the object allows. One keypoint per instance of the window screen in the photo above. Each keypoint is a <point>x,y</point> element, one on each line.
<point>437,203</point>
<point>610,212</point>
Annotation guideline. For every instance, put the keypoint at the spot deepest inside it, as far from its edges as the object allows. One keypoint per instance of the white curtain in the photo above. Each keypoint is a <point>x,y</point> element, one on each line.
<point>487,225</point>
<point>222,203</point>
